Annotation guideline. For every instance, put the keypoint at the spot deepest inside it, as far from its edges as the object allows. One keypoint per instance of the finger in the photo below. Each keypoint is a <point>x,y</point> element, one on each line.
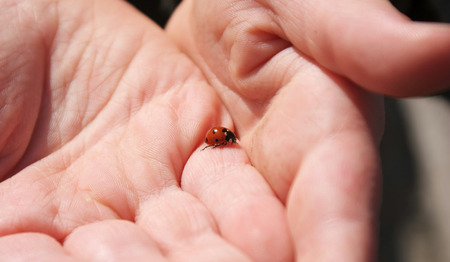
<point>32,247</point>
<point>334,201</point>
<point>314,106</point>
<point>48,203</point>
<point>370,42</point>
<point>248,214</point>
<point>112,240</point>
<point>184,228</point>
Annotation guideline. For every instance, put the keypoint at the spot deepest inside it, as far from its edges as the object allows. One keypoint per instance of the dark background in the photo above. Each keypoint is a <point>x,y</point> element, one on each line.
<point>400,205</point>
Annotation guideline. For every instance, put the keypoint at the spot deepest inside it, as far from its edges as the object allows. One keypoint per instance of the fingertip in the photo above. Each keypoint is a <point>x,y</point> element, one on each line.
<point>247,212</point>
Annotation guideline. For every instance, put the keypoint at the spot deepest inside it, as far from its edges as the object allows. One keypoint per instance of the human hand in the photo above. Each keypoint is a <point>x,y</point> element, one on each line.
<point>290,74</point>
<point>102,121</point>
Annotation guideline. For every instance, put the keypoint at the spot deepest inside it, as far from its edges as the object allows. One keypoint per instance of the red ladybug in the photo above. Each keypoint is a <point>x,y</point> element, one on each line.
<point>219,136</point>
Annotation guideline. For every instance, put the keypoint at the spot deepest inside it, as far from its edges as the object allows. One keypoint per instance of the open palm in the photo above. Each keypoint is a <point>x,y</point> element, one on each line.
<point>103,115</point>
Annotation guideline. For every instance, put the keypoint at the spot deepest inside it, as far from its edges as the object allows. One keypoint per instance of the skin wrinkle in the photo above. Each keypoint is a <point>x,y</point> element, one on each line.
<point>126,65</point>
<point>8,136</point>
<point>98,85</point>
<point>263,36</point>
<point>62,221</point>
<point>283,180</point>
<point>71,34</point>
<point>131,202</point>
<point>144,95</point>
<point>217,167</point>
<point>246,80</point>
<point>46,197</point>
<point>101,109</point>
<point>174,160</point>
<point>259,108</point>
<point>294,64</point>
<point>287,18</point>
<point>61,205</point>
<point>80,197</point>
<point>14,69</point>
<point>48,36</point>
<point>49,121</point>
<point>57,187</point>
<point>162,177</point>
<point>171,114</point>
<point>200,225</point>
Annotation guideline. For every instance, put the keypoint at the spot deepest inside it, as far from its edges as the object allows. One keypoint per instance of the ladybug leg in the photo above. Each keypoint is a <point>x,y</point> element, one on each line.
<point>223,144</point>
<point>207,147</point>
<point>215,145</point>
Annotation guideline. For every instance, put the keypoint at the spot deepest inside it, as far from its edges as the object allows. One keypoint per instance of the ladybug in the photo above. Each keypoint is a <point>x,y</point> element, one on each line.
<point>219,136</point>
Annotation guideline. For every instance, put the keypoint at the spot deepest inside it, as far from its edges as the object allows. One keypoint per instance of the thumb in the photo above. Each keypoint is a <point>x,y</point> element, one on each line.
<point>371,43</point>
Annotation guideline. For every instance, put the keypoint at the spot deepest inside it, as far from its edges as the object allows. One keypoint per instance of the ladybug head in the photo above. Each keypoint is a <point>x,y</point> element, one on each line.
<point>230,137</point>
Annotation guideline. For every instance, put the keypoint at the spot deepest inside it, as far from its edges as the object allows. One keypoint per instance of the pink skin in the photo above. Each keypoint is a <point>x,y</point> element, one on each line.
<point>103,114</point>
